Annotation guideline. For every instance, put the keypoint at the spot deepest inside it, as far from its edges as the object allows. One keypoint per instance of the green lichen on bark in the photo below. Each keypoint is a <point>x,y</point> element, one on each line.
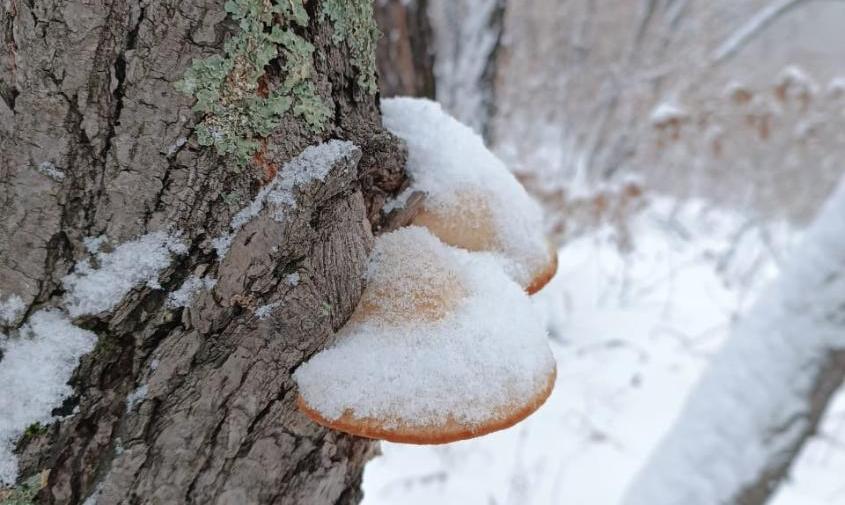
<point>34,430</point>
<point>227,87</point>
<point>354,22</point>
<point>23,494</point>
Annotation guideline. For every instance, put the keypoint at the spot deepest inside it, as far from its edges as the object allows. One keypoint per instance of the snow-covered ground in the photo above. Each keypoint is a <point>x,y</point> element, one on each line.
<point>631,333</point>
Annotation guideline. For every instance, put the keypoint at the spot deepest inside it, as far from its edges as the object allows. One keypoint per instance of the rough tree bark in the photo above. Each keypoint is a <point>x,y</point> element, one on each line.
<point>88,93</point>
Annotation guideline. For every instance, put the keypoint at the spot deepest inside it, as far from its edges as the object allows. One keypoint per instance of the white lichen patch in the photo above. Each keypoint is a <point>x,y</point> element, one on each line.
<point>441,334</point>
<point>36,366</point>
<point>313,164</point>
<point>472,199</point>
<point>92,290</point>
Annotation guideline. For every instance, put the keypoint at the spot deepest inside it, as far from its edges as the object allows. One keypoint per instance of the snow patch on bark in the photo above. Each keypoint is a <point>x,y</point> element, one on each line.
<point>34,372</point>
<point>50,170</point>
<point>93,290</point>
<point>264,311</point>
<point>136,397</point>
<point>183,296</point>
<point>313,164</point>
<point>10,309</point>
<point>94,244</point>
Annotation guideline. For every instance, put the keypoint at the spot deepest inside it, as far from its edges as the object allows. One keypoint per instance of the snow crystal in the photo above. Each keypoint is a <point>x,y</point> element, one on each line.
<point>736,89</point>
<point>313,163</point>
<point>183,296</point>
<point>11,309</point>
<point>174,147</point>
<point>136,396</point>
<point>49,169</point>
<point>462,178</point>
<point>754,398</point>
<point>666,113</point>
<point>221,244</point>
<point>836,86</point>
<point>796,81</point>
<point>93,290</point>
<point>94,244</point>
<point>440,333</point>
<point>93,497</point>
<point>264,311</point>
<point>33,377</point>
<point>399,202</point>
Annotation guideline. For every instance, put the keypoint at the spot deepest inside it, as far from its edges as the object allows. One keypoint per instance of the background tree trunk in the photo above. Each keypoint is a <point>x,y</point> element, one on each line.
<point>405,57</point>
<point>468,45</point>
<point>95,140</point>
<point>765,392</point>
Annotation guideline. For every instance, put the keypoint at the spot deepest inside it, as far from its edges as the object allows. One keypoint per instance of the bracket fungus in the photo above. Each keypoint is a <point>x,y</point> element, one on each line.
<point>443,346</point>
<point>472,200</point>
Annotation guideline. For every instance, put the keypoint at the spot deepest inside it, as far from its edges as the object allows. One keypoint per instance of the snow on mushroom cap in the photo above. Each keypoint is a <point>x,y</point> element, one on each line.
<point>450,163</point>
<point>395,293</point>
<point>486,354</point>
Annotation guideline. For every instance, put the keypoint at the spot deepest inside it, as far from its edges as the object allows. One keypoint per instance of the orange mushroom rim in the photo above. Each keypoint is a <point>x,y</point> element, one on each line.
<point>449,431</point>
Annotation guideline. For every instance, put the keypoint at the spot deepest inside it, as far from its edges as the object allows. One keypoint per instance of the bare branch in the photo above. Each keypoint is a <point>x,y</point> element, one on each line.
<point>753,27</point>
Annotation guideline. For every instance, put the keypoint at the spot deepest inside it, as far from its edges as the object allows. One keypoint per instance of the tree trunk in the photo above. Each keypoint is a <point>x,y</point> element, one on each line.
<point>468,39</point>
<point>95,140</point>
<point>405,57</point>
<point>768,388</point>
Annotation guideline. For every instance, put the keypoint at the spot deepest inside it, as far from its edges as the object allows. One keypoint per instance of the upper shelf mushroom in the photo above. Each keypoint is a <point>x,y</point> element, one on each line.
<point>443,346</point>
<point>472,200</point>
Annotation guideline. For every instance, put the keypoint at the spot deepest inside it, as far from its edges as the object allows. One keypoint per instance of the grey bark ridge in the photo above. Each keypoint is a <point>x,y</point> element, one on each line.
<point>87,91</point>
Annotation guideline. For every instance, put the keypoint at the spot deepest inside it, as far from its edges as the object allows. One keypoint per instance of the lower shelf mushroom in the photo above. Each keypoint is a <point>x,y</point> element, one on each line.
<point>443,346</point>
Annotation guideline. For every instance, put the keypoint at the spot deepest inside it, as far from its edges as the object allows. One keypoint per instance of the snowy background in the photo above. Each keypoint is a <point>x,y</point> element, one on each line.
<point>631,333</point>
<point>728,118</point>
